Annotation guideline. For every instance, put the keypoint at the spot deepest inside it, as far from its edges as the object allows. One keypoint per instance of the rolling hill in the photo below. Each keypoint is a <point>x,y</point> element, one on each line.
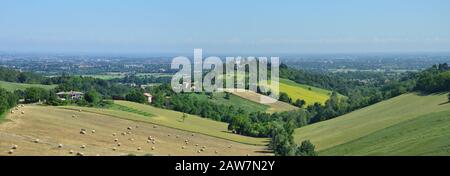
<point>352,134</point>
<point>172,119</point>
<point>41,130</point>
<point>12,86</point>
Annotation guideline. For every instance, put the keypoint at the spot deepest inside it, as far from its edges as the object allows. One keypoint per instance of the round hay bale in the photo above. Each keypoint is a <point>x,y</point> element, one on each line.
<point>139,148</point>
<point>115,140</point>
<point>131,139</point>
<point>82,132</point>
<point>149,141</point>
<point>23,112</point>
<point>114,148</point>
<point>153,142</point>
<point>183,147</point>
<point>216,152</point>
<point>14,147</point>
<point>202,149</point>
<point>168,134</point>
<point>114,134</point>
<point>129,132</point>
<point>73,116</point>
<point>71,152</point>
<point>79,110</point>
<point>153,148</point>
<point>83,146</point>
<point>177,136</point>
<point>149,138</point>
<point>36,141</point>
<point>16,109</point>
<point>80,154</point>
<point>12,112</point>
<point>129,128</point>
<point>192,134</point>
<point>196,145</point>
<point>60,145</point>
<point>10,151</point>
<point>93,131</point>
<point>123,133</point>
<point>198,151</point>
<point>119,144</point>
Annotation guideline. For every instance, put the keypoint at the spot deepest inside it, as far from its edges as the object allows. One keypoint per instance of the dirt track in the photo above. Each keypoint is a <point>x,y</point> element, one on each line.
<point>53,126</point>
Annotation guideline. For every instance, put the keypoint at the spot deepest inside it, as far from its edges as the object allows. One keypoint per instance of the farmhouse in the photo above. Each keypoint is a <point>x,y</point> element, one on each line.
<point>72,95</point>
<point>149,97</point>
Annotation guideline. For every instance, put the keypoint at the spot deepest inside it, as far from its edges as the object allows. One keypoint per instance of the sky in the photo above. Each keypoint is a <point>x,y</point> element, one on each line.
<point>231,26</point>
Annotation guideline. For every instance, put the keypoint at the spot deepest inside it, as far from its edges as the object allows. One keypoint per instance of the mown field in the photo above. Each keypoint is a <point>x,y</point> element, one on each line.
<point>41,129</point>
<point>277,106</point>
<point>426,135</point>
<point>173,119</point>
<point>10,86</point>
<point>310,94</point>
<point>356,133</point>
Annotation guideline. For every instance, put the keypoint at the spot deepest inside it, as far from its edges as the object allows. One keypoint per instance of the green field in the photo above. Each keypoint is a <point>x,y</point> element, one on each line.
<point>235,101</point>
<point>173,119</point>
<point>426,135</point>
<point>11,86</point>
<point>360,124</point>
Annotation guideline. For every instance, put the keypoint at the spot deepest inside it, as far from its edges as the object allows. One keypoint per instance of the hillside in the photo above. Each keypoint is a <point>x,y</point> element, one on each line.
<point>372,119</point>
<point>426,135</point>
<point>54,126</point>
<point>173,119</point>
<point>11,86</point>
<point>278,106</point>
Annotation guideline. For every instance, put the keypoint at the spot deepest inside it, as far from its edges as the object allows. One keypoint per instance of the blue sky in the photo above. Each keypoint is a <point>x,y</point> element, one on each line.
<point>232,26</point>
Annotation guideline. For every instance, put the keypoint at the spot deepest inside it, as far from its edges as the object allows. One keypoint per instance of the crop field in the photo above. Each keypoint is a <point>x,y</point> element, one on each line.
<point>374,120</point>
<point>236,101</point>
<point>173,119</point>
<point>278,106</point>
<point>310,94</point>
<point>11,86</point>
<point>45,130</point>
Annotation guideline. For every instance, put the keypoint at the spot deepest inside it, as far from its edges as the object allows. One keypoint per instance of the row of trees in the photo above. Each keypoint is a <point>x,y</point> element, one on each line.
<point>7,101</point>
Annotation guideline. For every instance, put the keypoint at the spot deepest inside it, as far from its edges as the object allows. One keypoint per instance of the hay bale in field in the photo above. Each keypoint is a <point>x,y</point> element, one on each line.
<point>196,145</point>
<point>168,135</point>
<point>14,147</point>
<point>10,151</point>
<point>119,144</point>
<point>202,149</point>
<point>149,138</point>
<point>139,148</point>
<point>23,112</point>
<point>183,147</point>
<point>73,115</point>
<point>115,140</point>
<point>153,148</point>
<point>36,141</point>
<point>114,134</point>
<point>149,141</point>
<point>60,145</point>
<point>71,151</point>
<point>79,110</point>
<point>128,132</point>
<point>123,133</point>
<point>231,145</point>
<point>216,152</point>
<point>16,109</point>
<point>80,154</point>
<point>153,142</point>
<point>82,132</point>
<point>12,112</point>
<point>114,148</point>
<point>192,134</point>
<point>131,139</point>
<point>129,128</point>
<point>155,126</point>
<point>177,136</point>
<point>198,151</point>
<point>83,146</point>
<point>93,131</point>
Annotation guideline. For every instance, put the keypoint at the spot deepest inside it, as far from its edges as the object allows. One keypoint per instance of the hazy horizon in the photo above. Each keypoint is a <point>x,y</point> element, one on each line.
<point>290,27</point>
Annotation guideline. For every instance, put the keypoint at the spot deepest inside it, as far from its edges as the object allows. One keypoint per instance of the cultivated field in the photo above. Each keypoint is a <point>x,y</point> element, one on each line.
<point>41,130</point>
<point>173,119</point>
<point>310,94</point>
<point>278,106</point>
<point>387,119</point>
<point>10,86</point>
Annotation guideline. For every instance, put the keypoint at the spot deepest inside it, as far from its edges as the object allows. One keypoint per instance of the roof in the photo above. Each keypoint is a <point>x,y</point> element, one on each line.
<point>70,93</point>
<point>147,94</point>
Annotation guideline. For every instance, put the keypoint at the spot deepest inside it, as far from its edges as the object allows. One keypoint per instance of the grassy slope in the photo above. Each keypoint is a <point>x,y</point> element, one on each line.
<point>371,119</point>
<point>234,100</point>
<point>273,107</point>
<point>172,119</point>
<point>426,135</point>
<point>10,86</point>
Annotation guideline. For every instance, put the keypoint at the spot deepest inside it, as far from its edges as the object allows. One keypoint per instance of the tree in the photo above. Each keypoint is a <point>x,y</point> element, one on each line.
<point>35,94</point>
<point>300,103</point>
<point>284,97</point>
<point>227,95</point>
<point>183,117</point>
<point>92,97</point>
<point>306,149</point>
<point>136,96</point>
